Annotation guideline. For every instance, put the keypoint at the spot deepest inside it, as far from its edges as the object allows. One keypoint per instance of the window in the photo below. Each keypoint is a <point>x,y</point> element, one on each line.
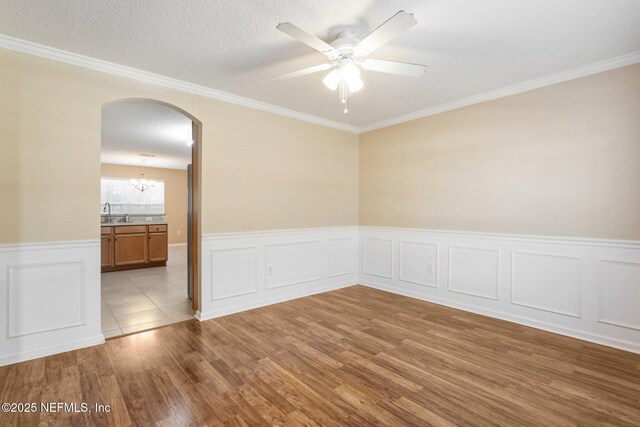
<point>124,198</point>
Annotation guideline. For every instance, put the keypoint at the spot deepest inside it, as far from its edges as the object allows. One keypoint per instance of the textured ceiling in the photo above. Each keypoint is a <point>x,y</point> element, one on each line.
<point>470,46</point>
<point>135,127</point>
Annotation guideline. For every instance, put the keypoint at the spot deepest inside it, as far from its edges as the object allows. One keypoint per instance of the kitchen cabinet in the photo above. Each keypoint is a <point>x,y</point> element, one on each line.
<point>157,247</point>
<point>130,249</point>
<point>105,251</point>
<point>106,248</point>
<point>126,247</point>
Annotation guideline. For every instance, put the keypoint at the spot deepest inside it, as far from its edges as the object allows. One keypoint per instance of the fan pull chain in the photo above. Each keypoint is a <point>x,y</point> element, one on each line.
<point>344,94</point>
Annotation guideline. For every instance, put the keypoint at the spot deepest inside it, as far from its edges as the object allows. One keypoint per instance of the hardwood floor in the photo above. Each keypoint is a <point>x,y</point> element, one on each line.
<point>355,356</point>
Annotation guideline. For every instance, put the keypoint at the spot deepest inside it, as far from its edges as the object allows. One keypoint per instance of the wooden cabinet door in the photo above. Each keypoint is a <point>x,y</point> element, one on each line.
<point>158,247</point>
<point>130,249</point>
<point>106,252</point>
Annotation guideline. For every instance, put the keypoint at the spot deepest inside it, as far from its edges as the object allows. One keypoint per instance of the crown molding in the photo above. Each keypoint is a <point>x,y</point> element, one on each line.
<point>575,73</point>
<point>47,52</point>
<point>168,82</point>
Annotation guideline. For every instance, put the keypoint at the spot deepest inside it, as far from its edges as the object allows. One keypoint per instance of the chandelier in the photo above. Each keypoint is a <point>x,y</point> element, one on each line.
<point>141,183</point>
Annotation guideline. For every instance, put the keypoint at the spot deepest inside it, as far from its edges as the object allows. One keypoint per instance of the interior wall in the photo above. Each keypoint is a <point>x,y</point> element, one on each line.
<point>559,161</point>
<point>260,170</point>
<point>175,194</point>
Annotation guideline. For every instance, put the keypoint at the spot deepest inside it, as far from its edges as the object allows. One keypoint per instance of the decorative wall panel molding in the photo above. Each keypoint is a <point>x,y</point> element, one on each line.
<point>32,287</point>
<point>293,263</point>
<point>620,293</point>
<point>343,256</point>
<point>242,271</point>
<point>50,297</point>
<point>474,271</point>
<point>377,257</point>
<point>584,288</point>
<point>546,282</point>
<point>233,266</point>
<point>418,263</point>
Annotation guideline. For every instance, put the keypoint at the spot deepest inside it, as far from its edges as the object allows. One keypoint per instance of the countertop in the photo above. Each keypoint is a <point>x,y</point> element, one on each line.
<point>122,224</point>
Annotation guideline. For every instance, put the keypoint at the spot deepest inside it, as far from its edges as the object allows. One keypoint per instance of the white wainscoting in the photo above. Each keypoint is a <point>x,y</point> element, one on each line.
<point>589,289</point>
<point>241,271</point>
<point>50,299</point>
<point>585,288</point>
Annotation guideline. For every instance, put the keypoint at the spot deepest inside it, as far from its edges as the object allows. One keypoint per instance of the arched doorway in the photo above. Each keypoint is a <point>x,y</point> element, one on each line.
<point>147,241</point>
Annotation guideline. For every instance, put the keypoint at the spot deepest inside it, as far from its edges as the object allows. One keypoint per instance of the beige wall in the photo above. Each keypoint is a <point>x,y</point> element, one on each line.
<point>562,160</point>
<point>175,194</point>
<point>259,170</point>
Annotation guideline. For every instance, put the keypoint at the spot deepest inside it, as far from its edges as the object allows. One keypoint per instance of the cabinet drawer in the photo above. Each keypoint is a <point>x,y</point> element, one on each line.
<point>105,230</point>
<point>157,228</point>
<point>128,229</point>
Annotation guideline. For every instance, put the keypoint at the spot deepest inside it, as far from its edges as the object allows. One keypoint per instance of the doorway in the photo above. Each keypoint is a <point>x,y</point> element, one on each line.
<point>149,216</point>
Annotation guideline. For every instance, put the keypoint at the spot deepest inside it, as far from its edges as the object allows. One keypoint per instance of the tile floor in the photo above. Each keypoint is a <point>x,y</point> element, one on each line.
<point>135,300</point>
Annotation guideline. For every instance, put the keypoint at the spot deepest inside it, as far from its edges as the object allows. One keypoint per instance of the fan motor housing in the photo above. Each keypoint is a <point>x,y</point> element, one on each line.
<point>344,42</point>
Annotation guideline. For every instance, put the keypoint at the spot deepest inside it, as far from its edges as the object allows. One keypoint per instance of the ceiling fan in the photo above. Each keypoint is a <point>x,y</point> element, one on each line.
<point>347,55</point>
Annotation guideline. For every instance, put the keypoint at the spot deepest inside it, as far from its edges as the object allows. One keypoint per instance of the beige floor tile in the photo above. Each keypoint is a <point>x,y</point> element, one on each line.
<point>122,299</point>
<point>112,333</point>
<point>179,283</point>
<point>113,276</point>
<point>169,299</point>
<point>132,307</point>
<point>128,320</point>
<point>120,287</point>
<point>176,275</point>
<point>122,283</point>
<point>148,280</point>
<point>141,272</point>
<point>131,298</point>
<point>108,320</point>
<point>179,312</point>
<point>145,326</point>
<point>156,289</point>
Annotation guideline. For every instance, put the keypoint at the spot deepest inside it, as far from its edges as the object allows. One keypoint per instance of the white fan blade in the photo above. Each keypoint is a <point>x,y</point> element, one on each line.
<point>393,67</point>
<point>393,27</point>
<point>303,72</point>
<point>308,39</point>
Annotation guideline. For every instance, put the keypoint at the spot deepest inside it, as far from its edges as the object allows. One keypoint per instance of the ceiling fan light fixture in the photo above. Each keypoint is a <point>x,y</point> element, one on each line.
<point>346,53</point>
<point>351,76</point>
<point>333,79</point>
<point>355,84</point>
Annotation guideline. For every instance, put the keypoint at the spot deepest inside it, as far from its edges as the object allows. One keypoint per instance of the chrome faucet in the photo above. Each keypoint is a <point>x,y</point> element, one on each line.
<point>107,209</point>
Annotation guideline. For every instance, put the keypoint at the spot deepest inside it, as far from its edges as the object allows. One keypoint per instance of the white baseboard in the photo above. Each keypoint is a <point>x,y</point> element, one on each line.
<point>225,311</point>
<point>598,339</point>
<point>582,288</point>
<point>22,356</point>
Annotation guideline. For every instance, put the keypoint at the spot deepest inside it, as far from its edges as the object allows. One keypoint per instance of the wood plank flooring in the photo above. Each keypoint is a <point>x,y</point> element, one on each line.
<point>355,356</point>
